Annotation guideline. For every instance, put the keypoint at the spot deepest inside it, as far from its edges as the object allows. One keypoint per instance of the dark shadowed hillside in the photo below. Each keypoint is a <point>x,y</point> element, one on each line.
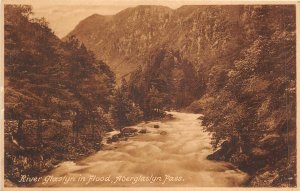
<point>166,81</point>
<point>250,99</point>
<point>57,96</point>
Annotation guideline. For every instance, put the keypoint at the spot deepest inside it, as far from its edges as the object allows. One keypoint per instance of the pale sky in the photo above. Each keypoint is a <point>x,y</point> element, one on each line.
<point>63,18</point>
<point>64,15</point>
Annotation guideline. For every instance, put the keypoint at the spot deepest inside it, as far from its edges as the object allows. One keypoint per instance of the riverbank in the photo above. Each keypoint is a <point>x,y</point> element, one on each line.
<point>27,156</point>
<point>263,170</point>
<point>170,147</point>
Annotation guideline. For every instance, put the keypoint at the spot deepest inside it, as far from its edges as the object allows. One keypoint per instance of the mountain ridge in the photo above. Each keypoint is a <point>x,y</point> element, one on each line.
<point>123,40</point>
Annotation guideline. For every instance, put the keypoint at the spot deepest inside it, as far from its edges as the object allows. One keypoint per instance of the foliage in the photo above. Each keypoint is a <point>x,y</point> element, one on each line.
<point>167,81</point>
<point>252,99</point>
<point>124,110</point>
<point>47,79</point>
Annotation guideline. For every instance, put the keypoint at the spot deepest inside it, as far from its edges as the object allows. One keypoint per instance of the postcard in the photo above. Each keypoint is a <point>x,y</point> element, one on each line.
<point>149,95</point>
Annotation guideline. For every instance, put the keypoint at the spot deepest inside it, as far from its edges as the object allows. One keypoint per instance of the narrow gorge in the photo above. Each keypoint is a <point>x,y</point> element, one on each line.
<point>211,88</point>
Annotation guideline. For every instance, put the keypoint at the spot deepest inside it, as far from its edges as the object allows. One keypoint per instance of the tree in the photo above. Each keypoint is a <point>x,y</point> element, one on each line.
<point>125,111</point>
<point>250,101</point>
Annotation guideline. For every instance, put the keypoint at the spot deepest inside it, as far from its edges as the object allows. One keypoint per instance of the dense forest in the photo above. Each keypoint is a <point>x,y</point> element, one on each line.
<point>236,65</point>
<point>59,99</point>
<point>250,102</point>
<point>166,82</point>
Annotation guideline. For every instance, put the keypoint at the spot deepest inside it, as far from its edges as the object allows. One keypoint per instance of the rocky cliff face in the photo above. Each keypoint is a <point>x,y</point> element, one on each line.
<point>125,39</point>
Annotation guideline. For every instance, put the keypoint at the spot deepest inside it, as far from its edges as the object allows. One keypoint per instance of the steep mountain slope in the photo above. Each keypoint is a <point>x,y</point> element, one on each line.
<point>250,101</point>
<point>57,96</point>
<point>116,38</point>
<point>124,40</point>
<point>42,71</point>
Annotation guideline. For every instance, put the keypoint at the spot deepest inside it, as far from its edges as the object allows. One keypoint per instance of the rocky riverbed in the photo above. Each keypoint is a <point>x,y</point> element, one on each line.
<point>169,153</point>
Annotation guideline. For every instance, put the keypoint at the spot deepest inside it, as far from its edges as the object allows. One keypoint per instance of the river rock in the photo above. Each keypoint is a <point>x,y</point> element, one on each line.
<point>262,179</point>
<point>109,141</point>
<point>143,131</point>
<point>201,117</point>
<point>258,152</point>
<point>270,140</point>
<point>225,152</point>
<point>122,137</point>
<point>156,126</point>
<point>115,138</point>
<point>168,117</point>
<point>129,131</point>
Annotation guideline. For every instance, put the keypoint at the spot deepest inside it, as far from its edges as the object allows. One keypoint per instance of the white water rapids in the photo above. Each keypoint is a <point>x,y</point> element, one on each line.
<point>174,158</point>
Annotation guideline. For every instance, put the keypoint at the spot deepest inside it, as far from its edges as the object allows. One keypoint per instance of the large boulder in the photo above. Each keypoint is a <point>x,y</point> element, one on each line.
<point>168,117</point>
<point>270,141</point>
<point>143,131</point>
<point>225,152</point>
<point>129,131</point>
<point>258,152</point>
<point>264,178</point>
<point>115,138</point>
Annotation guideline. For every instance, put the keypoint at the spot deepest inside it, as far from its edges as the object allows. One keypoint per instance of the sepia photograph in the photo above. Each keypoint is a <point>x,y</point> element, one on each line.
<point>154,93</point>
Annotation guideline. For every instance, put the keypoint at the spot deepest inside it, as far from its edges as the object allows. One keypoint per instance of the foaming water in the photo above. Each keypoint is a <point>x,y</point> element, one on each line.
<point>177,156</point>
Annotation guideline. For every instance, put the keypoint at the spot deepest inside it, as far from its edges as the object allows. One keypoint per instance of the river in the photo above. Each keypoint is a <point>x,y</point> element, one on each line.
<point>172,155</point>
